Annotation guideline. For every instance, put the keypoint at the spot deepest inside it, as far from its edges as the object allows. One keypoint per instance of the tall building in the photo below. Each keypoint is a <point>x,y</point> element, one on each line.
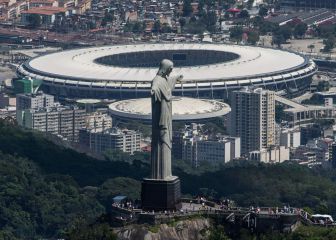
<point>34,101</point>
<point>110,139</point>
<point>71,121</point>
<point>63,121</point>
<point>253,118</point>
<point>98,120</point>
<point>194,147</point>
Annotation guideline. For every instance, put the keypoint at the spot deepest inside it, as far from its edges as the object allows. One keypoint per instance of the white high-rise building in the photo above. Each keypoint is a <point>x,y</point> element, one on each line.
<point>274,154</point>
<point>34,101</point>
<point>198,149</point>
<point>110,139</point>
<point>253,118</point>
<point>63,121</point>
<point>290,138</point>
<point>98,120</point>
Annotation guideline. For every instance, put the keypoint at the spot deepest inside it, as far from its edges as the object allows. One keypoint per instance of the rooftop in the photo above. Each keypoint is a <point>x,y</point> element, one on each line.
<point>183,108</point>
<point>81,64</point>
<point>88,101</point>
<point>45,10</point>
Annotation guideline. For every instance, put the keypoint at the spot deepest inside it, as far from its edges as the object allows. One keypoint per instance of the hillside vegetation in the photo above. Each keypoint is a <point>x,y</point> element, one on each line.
<point>46,188</point>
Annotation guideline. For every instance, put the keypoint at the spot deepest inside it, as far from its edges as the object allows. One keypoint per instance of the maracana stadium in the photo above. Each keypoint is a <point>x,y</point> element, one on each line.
<point>210,70</point>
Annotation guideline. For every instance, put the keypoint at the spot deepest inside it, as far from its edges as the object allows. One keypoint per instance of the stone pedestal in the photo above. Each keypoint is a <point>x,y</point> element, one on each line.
<point>160,195</point>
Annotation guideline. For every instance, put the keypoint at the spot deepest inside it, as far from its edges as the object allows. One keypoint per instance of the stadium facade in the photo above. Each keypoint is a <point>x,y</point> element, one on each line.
<point>308,4</point>
<point>210,70</point>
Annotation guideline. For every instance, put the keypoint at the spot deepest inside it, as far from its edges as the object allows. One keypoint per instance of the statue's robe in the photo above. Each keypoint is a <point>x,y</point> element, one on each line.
<point>161,95</point>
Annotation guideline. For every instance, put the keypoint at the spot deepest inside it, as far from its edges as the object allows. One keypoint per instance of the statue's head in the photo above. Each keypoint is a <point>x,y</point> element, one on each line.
<point>166,66</point>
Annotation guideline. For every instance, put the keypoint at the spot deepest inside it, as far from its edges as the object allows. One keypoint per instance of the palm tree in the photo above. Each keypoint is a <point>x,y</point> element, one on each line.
<point>311,47</point>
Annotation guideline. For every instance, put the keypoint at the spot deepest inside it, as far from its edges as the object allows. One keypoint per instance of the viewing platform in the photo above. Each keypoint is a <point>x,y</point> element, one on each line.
<point>260,219</point>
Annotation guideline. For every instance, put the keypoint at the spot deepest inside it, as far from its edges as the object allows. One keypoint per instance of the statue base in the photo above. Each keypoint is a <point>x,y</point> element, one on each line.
<point>160,195</point>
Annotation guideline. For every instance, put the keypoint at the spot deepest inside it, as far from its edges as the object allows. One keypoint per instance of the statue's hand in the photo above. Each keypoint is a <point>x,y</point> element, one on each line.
<point>179,78</point>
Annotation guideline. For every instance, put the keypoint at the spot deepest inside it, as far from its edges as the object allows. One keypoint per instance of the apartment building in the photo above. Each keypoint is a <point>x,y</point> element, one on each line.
<point>63,121</point>
<point>198,150</point>
<point>34,101</point>
<point>98,120</point>
<point>110,139</point>
<point>253,118</point>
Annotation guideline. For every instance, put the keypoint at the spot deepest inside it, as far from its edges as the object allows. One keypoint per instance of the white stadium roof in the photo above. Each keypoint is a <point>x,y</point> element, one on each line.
<point>80,64</point>
<point>88,101</point>
<point>183,108</point>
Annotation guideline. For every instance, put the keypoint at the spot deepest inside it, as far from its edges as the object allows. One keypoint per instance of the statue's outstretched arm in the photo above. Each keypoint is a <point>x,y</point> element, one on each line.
<point>174,80</point>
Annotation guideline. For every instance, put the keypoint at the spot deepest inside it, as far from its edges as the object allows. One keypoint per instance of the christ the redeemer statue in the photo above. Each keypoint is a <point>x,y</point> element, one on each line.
<point>162,191</point>
<point>161,95</point>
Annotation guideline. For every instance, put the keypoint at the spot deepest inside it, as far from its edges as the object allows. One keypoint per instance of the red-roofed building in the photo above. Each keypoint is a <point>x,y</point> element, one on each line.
<point>15,9</point>
<point>234,10</point>
<point>47,14</point>
<point>42,3</point>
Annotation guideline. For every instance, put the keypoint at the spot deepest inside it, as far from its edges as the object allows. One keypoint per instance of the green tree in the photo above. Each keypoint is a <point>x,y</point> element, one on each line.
<point>323,86</point>
<point>108,16</point>
<point>266,27</point>
<point>157,26</point>
<point>329,43</point>
<point>278,40</point>
<point>244,14</point>
<point>300,30</point>
<point>135,27</point>
<point>195,27</point>
<point>92,232</point>
<point>250,4</point>
<point>201,4</point>
<point>209,19</point>
<point>35,206</point>
<point>182,22</point>
<point>166,28</point>
<point>263,11</point>
<point>326,30</point>
<point>281,35</point>
<point>313,233</point>
<point>285,31</point>
<point>138,27</point>
<point>236,33</point>
<point>103,22</point>
<point>187,9</point>
<point>311,47</point>
<point>253,37</point>
<point>119,186</point>
<point>218,233</point>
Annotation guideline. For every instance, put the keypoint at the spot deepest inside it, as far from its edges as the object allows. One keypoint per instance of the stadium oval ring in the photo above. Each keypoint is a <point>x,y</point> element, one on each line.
<point>183,109</point>
<point>210,70</point>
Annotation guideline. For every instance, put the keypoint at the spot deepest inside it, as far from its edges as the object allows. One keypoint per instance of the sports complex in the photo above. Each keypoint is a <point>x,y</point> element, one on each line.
<point>183,109</point>
<point>210,70</point>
